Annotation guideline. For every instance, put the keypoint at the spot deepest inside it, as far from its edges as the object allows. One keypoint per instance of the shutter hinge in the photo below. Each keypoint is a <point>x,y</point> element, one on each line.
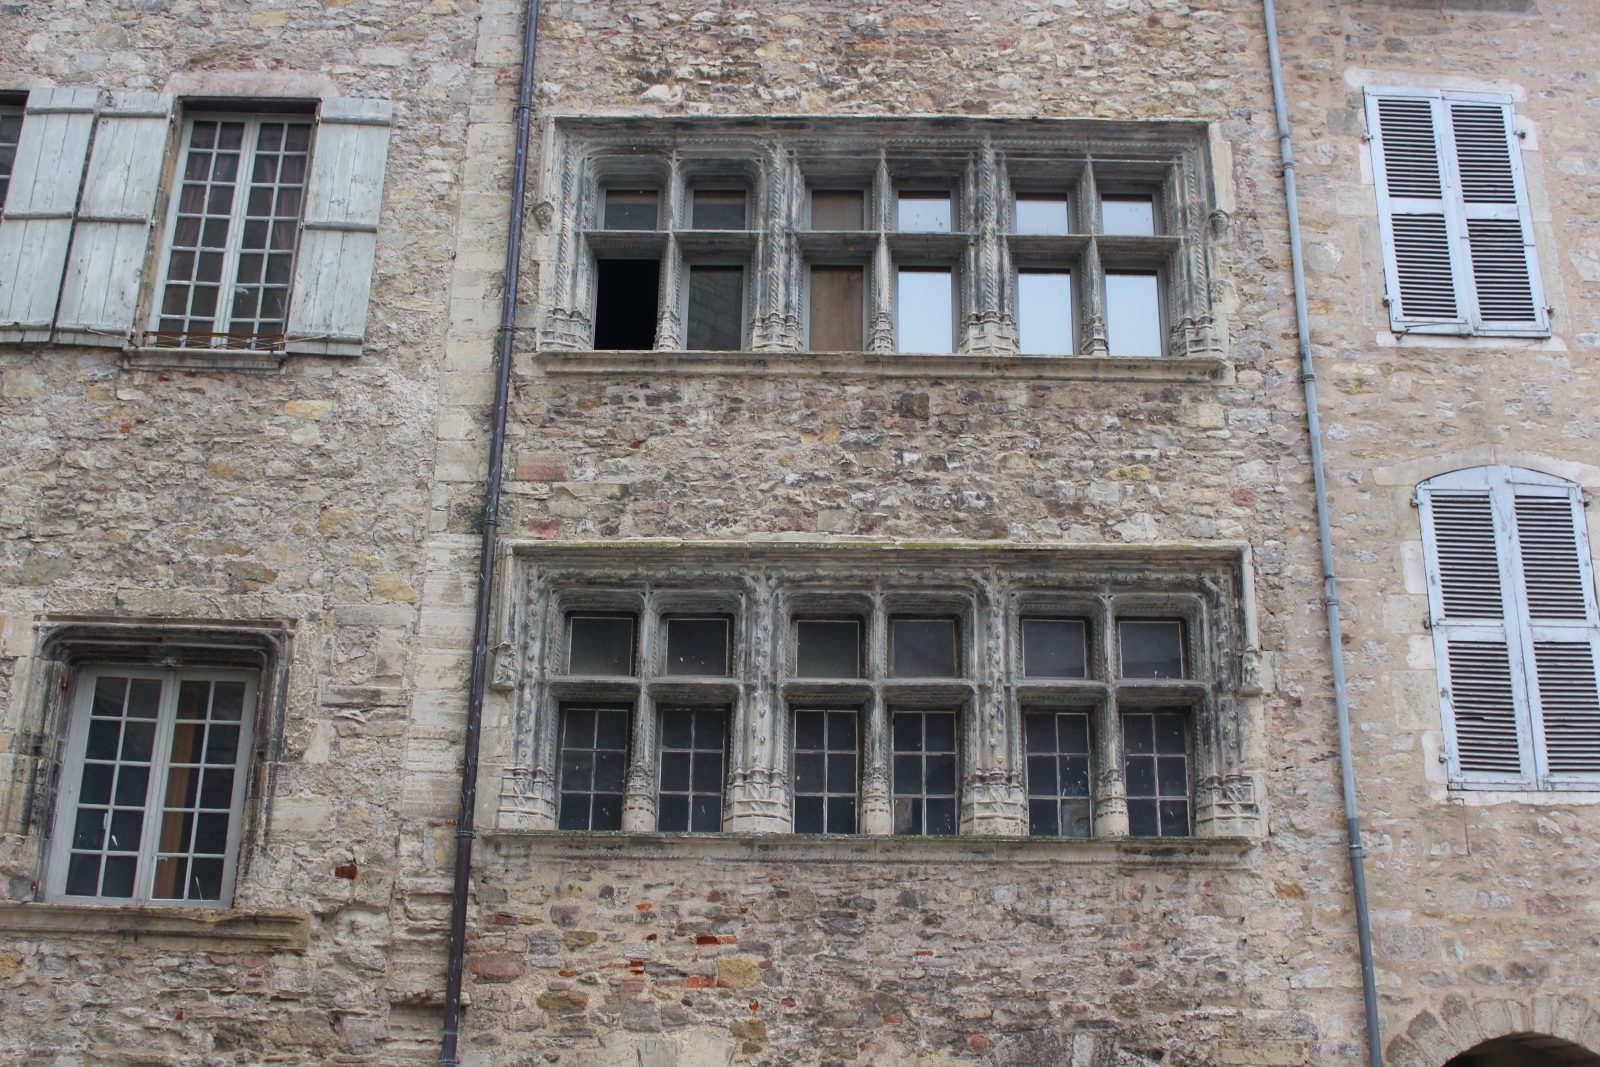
<point>1427,623</point>
<point>1522,135</point>
<point>1416,501</point>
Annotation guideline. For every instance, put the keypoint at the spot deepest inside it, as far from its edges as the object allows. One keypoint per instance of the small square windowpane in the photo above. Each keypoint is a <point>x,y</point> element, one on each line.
<point>828,648</point>
<point>838,209</point>
<point>923,213</point>
<point>1151,648</point>
<point>923,648</point>
<point>1132,215</point>
<point>718,209</point>
<point>1042,214</point>
<point>631,209</point>
<point>697,646</point>
<point>600,644</point>
<point>1053,648</point>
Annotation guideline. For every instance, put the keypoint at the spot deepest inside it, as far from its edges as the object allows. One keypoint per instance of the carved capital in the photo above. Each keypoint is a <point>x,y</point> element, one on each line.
<point>527,800</point>
<point>567,330</point>
<point>1227,806</point>
<point>996,804</point>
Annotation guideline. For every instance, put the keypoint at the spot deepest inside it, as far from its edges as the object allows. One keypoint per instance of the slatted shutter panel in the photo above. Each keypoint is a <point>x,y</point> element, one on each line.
<point>1484,708</point>
<point>1419,271</point>
<point>338,239</point>
<point>1494,208</point>
<point>36,227</point>
<point>1562,627</point>
<point>106,266</point>
<point>1453,212</point>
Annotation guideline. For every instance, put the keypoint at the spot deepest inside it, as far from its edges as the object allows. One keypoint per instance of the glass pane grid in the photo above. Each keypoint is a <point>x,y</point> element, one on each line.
<point>693,747</point>
<point>594,757</point>
<point>230,260</point>
<point>10,134</point>
<point>1156,767</point>
<point>825,772</point>
<point>108,825</point>
<point>1058,773</point>
<point>924,771</point>
<point>196,812</point>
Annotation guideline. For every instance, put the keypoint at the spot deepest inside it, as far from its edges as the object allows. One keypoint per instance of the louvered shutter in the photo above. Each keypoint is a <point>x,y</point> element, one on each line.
<point>105,267</point>
<point>339,231</point>
<point>1453,213</point>
<point>1484,705</point>
<point>1558,593</point>
<point>36,226</point>
<point>1515,628</point>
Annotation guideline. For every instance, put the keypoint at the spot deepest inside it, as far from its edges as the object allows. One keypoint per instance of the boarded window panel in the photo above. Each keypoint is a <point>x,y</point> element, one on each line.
<point>838,209</point>
<point>1552,573</point>
<point>837,302</point>
<point>1422,265</point>
<point>1484,708</point>
<point>1569,706</point>
<point>1469,572</point>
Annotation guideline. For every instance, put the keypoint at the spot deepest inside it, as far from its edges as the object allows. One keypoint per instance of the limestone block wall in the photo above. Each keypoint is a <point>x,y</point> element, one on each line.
<point>1478,898</point>
<point>295,500</point>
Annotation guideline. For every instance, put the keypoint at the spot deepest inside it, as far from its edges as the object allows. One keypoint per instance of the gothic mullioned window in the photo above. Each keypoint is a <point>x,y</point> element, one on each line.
<point>797,690</point>
<point>933,236</point>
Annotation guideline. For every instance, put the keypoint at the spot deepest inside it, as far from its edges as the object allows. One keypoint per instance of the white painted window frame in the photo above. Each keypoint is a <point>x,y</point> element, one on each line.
<point>82,699</point>
<point>1504,485</point>
<point>1468,321</point>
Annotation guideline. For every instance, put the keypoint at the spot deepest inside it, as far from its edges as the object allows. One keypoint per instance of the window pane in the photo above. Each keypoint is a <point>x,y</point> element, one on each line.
<point>1151,649</point>
<point>1133,216</point>
<point>1133,314</point>
<point>1156,772</point>
<point>1058,772</point>
<point>630,209</point>
<point>1042,214</point>
<point>594,749</point>
<point>1053,648</point>
<point>923,648</point>
<point>690,798</point>
<point>697,646</point>
<point>924,772</point>
<point>828,648</point>
<point>600,644</point>
<point>837,308</point>
<point>923,213</point>
<point>825,772</point>
<point>1044,313</point>
<point>627,292</point>
<point>719,209</point>
<point>716,309</point>
<point>925,310</point>
<point>838,209</point>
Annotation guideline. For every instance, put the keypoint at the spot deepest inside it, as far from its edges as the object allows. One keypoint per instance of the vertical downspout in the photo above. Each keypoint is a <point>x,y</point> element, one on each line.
<point>1330,580</point>
<point>486,561</point>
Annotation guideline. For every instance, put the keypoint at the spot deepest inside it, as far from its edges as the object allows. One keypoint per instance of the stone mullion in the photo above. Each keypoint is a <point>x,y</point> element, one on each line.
<point>1094,303</point>
<point>876,805</point>
<point>777,283</point>
<point>528,798</point>
<point>758,799</point>
<point>992,799</point>
<point>1199,328</point>
<point>880,332</point>
<point>567,324</point>
<point>990,329</point>
<point>1206,773</point>
<point>669,324</point>
<point>639,790</point>
<point>1110,784</point>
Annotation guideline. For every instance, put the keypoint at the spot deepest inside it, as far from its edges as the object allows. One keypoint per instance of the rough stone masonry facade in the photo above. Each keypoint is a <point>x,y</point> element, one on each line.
<point>332,506</point>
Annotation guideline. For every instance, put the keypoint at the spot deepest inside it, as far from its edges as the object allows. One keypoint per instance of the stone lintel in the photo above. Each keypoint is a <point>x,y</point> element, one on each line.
<point>208,929</point>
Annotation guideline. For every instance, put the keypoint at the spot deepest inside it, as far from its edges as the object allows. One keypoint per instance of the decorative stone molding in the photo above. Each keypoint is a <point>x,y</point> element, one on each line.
<point>200,929</point>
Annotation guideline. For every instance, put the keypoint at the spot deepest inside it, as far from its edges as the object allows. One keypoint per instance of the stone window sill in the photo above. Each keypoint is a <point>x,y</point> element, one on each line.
<point>1163,852</point>
<point>218,928</point>
<point>893,365</point>
<point>205,359</point>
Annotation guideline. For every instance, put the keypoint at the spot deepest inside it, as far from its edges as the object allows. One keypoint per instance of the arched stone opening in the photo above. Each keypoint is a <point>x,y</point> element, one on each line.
<point>1526,1050</point>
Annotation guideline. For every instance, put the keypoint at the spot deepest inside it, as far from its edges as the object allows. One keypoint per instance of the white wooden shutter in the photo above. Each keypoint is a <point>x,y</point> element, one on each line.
<point>1562,627</point>
<point>36,226</point>
<point>105,267</point>
<point>1515,628</point>
<point>1481,698</point>
<point>339,230</point>
<point>1453,213</point>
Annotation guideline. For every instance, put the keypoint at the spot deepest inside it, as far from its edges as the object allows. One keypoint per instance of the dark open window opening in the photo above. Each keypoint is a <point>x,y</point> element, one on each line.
<point>626,305</point>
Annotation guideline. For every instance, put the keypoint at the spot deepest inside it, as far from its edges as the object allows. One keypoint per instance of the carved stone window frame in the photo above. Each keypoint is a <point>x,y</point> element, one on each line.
<point>983,161</point>
<point>765,588</point>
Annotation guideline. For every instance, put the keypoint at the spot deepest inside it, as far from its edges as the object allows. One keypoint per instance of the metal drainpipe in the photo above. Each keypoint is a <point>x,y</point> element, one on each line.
<point>1330,580</point>
<point>486,562</point>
